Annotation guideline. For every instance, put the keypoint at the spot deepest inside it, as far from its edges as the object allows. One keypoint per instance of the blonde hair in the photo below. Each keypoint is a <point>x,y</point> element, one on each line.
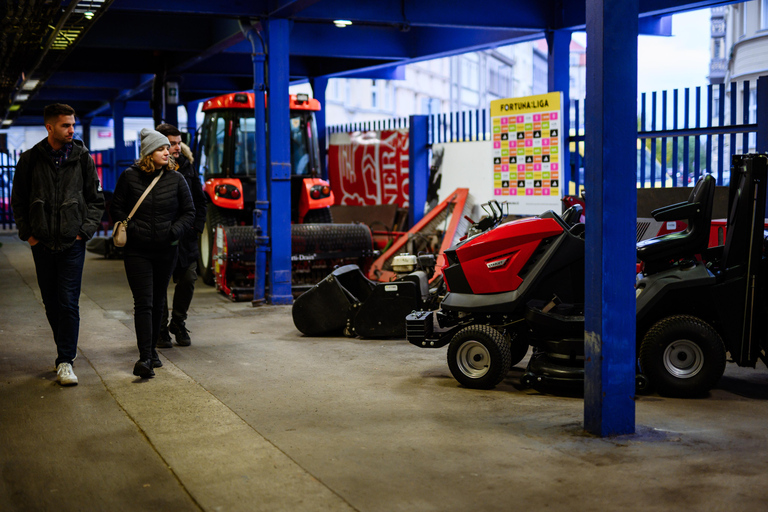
<point>147,165</point>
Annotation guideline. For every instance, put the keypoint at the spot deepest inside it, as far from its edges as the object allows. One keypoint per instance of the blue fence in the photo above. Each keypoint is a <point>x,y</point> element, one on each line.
<point>682,134</point>
<point>106,166</point>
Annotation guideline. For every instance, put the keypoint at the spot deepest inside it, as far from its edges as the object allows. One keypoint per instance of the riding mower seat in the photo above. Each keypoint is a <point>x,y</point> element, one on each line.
<point>662,251</point>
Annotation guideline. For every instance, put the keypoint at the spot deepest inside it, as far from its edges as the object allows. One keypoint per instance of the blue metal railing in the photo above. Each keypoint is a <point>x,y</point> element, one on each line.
<point>675,145</point>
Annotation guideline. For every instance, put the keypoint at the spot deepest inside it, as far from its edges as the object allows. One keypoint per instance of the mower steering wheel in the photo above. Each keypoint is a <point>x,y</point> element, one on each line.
<point>572,215</point>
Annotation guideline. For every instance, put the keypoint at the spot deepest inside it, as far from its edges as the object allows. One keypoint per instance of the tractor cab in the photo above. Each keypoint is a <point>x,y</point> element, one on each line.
<point>226,152</point>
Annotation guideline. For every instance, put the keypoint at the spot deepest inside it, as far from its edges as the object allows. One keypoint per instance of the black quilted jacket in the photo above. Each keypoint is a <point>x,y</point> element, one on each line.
<point>164,215</point>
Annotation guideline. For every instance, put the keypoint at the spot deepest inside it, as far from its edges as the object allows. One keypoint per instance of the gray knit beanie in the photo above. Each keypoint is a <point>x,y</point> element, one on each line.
<point>152,140</point>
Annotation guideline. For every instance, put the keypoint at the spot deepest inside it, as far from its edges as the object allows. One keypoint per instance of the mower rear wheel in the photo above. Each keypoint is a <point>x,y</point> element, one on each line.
<point>213,217</point>
<point>479,357</point>
<point>682,356</point>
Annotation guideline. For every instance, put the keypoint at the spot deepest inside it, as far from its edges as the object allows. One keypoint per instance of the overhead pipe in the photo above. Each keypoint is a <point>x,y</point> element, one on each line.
<point>262,207</point>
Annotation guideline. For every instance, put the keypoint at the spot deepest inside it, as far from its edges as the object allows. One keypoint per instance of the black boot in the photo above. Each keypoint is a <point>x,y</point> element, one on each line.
<point>179,330</point>
<point>156,362</point>
<point>143,369</point>
<point>164,340</point>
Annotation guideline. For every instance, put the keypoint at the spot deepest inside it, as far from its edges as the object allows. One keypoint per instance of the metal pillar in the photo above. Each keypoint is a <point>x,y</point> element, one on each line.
<point>191,109</point>
<point>122,157</point>
<point>558,79</point>
<point>762,114</point>
<point>611,134</point>
<point>86,127</point>
<point>418,167</point>
<point>279,167</point>
<point>261,211</point>
<point>319,84</point>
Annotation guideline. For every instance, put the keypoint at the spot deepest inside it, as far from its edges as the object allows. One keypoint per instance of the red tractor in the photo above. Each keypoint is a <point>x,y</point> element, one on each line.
<point>225,156</point>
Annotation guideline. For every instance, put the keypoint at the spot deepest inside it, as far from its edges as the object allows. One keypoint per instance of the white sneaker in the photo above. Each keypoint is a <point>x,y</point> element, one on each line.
<point>65,375</point>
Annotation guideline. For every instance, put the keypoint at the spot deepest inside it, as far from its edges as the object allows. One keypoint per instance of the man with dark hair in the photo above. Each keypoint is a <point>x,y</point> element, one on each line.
<point>185,273</point>
<point>57,205</point>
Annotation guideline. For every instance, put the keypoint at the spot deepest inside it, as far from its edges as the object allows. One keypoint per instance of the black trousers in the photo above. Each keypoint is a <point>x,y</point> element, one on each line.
<point>182,294</point>
<point>148,276</point>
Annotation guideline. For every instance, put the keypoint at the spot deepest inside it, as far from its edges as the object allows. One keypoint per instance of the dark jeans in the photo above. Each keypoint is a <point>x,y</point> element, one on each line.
<point>148,275</point>
<point>182,294</point>
<point>59,276</point>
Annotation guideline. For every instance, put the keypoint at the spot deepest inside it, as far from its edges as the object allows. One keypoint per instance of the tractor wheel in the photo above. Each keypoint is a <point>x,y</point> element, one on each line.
<point>479,357</point>
<point>213,217</point>
<point>682,356</point>
<point>318,216</point>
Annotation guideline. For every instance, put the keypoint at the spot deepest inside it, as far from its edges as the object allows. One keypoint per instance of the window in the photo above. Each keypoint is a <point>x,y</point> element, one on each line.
<point>212,142</point>
<point>744,19</point>
<point>763,14</point>
<point>374,95</point>
<point>717,53</point>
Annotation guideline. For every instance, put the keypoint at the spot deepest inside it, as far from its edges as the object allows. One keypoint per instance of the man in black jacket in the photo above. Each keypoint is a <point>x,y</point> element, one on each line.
<point>57,205</point>
<point>185,273</point>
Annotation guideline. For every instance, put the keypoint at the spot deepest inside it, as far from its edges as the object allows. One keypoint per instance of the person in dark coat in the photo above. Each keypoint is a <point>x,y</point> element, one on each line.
<point>154,233</point>
<point>57,205</point>
<point>185,273</point>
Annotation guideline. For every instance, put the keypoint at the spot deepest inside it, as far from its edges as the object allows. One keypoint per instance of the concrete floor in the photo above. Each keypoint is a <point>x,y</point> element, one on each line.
<point>254,416</point>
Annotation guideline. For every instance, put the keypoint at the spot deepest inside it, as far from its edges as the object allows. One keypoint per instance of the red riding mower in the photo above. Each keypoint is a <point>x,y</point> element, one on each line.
<point>522,283</point>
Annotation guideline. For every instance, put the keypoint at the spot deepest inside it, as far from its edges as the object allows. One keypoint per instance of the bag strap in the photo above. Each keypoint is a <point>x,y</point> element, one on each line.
<point>157,178</point>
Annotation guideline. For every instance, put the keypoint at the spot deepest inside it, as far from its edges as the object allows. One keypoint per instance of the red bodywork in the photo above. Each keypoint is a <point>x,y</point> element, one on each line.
<point>492,261</point>
<point>315,193</point>
<point>244,100</point>
<point>212,187</point>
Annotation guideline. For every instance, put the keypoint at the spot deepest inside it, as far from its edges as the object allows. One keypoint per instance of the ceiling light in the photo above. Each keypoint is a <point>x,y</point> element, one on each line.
<point>88,15</point>
<point>341,23</point>
<point>14,107</point>
<point>30,84</point>
<point>22,97</point>
<point>7,122</point>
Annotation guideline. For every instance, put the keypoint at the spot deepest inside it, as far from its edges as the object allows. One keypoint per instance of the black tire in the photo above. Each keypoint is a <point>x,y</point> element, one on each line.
<point>213,217</point>
<point>318,216</point>
<point>682,356</point>
<point>479,357</point>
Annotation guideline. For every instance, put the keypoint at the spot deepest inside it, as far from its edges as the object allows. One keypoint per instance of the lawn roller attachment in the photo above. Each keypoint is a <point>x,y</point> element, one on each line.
<point>316,249</point>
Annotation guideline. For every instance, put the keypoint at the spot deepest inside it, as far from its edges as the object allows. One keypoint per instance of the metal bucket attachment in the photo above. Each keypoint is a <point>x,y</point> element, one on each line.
<point>326,307</point>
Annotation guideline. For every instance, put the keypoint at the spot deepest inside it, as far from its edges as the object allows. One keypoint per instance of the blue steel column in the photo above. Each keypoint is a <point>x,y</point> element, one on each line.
<point>611,134</point>
<point>278,113</point>
<point>318,92</point>
<point>418,167</point>
<point>191,109</point>
<point>559,79</point>
<point>122,157</point>
<point>261,208</point>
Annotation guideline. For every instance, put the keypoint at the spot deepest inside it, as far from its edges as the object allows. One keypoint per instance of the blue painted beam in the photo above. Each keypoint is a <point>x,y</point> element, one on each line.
<point>393,72</point>
<point>279,167</point>
<point>611,134</point>
<point>558,80</point>
<point>88,79</point>
<point>418,167</point>
<point>655,26</point>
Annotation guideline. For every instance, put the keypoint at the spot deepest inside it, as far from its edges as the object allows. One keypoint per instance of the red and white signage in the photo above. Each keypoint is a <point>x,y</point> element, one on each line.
<point>369,167</point>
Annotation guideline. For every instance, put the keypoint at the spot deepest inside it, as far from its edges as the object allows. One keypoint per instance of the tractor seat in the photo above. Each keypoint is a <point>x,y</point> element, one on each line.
<point>697,212</point>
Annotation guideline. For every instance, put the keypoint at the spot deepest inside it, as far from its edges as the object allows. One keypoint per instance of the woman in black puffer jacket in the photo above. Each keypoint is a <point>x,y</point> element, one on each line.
<point>153,235</point>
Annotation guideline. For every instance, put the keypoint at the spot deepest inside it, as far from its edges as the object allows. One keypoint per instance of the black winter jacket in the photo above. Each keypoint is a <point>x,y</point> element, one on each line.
<point>55,206</point>
<point>188,248</point>
<point>164,215</point>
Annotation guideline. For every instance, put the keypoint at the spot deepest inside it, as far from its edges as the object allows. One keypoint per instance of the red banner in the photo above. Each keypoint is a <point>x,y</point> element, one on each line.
<point>367,168</point>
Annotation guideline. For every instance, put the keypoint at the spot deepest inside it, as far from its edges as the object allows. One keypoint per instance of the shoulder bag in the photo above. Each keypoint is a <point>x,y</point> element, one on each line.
<point>120,231</point>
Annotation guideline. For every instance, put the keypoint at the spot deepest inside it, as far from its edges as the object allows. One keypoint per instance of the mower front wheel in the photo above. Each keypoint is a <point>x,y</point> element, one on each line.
<point>479,357</point>
<point>682,356</point>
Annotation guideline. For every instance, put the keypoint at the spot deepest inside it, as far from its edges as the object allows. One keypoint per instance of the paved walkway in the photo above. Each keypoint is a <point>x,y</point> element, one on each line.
<point>253,416</point>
